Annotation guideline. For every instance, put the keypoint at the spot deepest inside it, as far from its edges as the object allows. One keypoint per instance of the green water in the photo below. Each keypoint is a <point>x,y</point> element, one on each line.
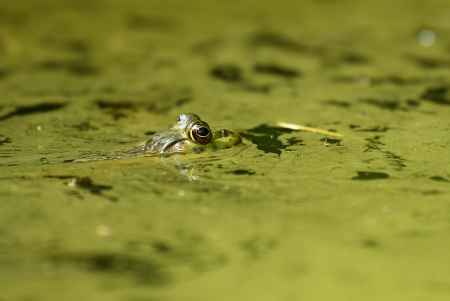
<point>287,216</point>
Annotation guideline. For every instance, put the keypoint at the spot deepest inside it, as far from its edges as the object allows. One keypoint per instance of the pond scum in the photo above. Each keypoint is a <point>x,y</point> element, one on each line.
<point>289,215</point>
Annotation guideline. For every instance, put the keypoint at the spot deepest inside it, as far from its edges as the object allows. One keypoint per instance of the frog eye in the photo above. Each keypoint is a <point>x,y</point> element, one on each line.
<point>200,133</point>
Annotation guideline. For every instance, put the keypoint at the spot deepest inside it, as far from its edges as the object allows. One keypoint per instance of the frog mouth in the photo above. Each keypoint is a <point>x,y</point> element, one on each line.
<point>172,146</point>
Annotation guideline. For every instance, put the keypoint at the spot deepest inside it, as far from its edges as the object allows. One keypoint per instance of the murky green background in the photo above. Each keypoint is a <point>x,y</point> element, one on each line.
<point>287,216</point>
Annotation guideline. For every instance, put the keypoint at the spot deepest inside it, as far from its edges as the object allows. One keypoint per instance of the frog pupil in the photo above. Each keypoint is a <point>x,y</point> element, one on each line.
<point>203,131</point>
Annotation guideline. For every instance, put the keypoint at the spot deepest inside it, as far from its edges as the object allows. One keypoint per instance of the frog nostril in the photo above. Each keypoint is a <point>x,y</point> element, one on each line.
<point>225,133</point>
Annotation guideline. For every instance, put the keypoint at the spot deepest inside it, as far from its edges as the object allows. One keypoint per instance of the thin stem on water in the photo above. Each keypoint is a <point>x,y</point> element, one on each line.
<point>299,127</point>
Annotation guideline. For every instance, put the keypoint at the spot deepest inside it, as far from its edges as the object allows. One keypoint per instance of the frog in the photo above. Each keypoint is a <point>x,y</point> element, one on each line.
<point>190,134</point>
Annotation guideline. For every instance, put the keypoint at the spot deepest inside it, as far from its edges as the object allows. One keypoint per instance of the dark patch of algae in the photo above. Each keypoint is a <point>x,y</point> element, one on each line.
<point>288,216</point>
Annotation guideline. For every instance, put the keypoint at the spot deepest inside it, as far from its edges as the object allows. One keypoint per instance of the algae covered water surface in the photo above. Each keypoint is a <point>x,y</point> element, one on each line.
<point>289,215</point>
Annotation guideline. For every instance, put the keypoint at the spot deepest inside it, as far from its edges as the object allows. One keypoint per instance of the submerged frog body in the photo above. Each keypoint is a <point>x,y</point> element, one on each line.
<point>189,134</point>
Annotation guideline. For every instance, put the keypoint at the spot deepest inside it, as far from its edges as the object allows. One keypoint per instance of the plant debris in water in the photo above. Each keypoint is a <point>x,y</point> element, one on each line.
<point>373,129</point>
<point>4,140</point>
<point>440,179</point>
<point>241,172</point>
<point>338,103</point>
<point>267,138</point>
<point>375,144</point>
<point>143,270</point>
<point>276,70</point>
<point>43,107</point>
<point>227,72</point>
<point>370,175</point>
<point>385,104</point>
<point>79,66</point>
<point>85,183</point>
<point>331,141</point>
<point>438,95</point>
<point>276,40</point>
